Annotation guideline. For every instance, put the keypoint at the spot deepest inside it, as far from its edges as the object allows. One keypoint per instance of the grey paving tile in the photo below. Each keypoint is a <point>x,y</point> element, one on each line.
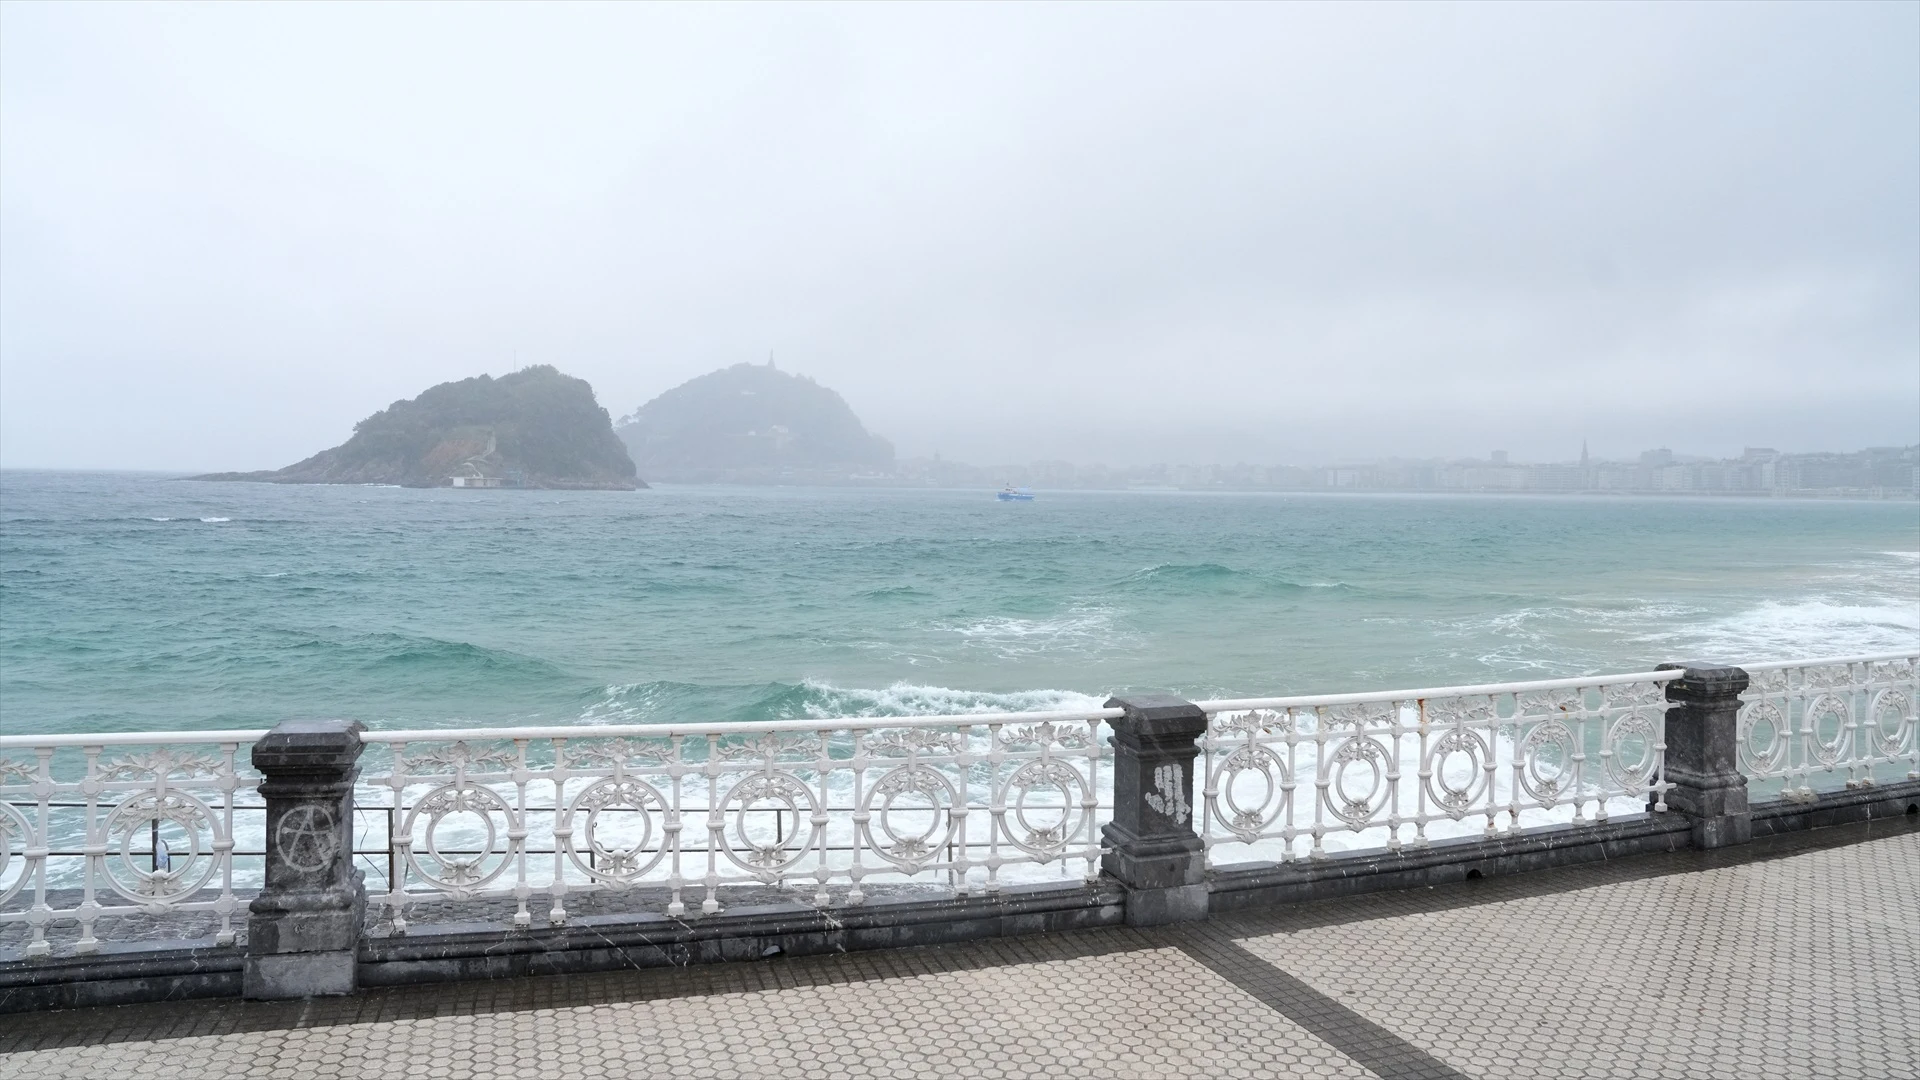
<point>1794,967</point>
<point>1137,1013</point>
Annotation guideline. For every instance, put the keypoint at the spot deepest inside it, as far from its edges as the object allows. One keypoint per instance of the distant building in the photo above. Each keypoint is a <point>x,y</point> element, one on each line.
<point>470,475</point>
<point>1877,473</point>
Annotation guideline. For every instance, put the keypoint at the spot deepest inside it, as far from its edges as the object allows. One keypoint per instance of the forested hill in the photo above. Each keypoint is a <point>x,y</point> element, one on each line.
<point>750,422</point>
<point>533,428</point>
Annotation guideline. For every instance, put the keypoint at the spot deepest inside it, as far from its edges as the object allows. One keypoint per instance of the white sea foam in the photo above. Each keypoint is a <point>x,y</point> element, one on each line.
<point>1783,630</point>
<point>215,520</point>
<point>913,699</point>
<point>159,519</point>
<point>814,699</point>
<point>1082,628</point>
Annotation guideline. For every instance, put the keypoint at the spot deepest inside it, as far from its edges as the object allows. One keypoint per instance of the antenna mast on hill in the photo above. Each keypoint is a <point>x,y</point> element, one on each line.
<point>770,360</point>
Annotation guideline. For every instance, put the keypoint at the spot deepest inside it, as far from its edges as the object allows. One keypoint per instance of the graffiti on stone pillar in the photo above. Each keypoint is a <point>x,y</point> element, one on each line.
<point>305,838</point>
<point>1169,794</point>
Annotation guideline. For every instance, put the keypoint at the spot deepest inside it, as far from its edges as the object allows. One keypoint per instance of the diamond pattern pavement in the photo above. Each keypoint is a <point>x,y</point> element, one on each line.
<point>1800,967</point>
<point>1142,1013</point>
<point>1783,961</point>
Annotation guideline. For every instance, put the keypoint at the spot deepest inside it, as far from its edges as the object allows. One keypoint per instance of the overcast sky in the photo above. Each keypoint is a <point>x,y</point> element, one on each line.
<point>1102,233</point>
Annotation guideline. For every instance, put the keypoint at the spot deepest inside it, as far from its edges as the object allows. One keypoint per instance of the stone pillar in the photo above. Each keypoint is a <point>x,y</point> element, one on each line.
<point>303,935</point>
<point>1703,754</point>
<point>1154,848</point>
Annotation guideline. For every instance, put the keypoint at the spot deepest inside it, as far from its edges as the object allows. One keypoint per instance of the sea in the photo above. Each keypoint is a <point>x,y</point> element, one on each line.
<point>134,601</point>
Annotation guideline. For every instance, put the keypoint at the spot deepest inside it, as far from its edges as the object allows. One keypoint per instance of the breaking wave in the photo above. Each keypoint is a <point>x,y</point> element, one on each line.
<point>1783,630</point>
<point>1205,577</point>
<point>1008,637</point>
<point>812,699</point>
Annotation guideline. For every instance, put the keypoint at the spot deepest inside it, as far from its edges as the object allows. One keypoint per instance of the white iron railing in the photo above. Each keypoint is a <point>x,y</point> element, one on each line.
<point>105,826</point>
<point>1401,767</point>
<point>136,823</point>
<point>966,801</point>
<point>1843,722</point>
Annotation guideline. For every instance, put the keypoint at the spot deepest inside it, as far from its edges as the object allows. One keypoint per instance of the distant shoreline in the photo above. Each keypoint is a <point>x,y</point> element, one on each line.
<point>1800,495</point>
<point>270,478</point>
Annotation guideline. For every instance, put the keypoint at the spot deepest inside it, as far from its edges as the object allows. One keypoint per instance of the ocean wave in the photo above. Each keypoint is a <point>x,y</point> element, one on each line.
<point>1010,637</point>
<point>817,699</point>
<point>1551,619</point>
<point>811,699</point>
<point>656,587</point>
<point>1184,573</point>
<point>1209,576</point>
<point>896,593</point>
<point>411,652</point>
<point>215,520</point>
<point>1007,626</point>
<point>1786,630</point>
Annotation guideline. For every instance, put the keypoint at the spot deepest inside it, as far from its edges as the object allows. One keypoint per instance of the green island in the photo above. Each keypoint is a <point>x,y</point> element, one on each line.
<point>535,428</point>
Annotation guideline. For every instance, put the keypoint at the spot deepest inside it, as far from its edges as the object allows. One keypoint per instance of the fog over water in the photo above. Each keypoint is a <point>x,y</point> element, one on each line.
<point>1205,233</point>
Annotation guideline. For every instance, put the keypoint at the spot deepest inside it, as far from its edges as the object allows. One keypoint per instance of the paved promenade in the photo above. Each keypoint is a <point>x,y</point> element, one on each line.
<point>1792,957</point>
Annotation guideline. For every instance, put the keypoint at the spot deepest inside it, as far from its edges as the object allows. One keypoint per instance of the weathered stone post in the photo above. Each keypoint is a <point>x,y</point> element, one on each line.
<point>1703,754</point>
<point>1154,848</point>
<point>304,932</point>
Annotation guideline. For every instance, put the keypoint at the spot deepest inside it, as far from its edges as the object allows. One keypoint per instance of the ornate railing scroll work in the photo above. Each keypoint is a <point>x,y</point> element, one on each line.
<point>1396,769</point>
<point>1818,725</point>
<point>97,827</point>
<point>536,815</point>
<point>518,825</point>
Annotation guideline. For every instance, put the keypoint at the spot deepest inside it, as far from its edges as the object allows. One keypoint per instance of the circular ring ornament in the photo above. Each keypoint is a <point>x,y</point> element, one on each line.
<point>1771,756</point>
<point>902,845</point>
<point>14,833</point>
<point>618,862</point>
<point>454,873</point>
<point>1897,706</point>
<point>1457,799</point>
<point>1819,710</point>
<point>306,838</point>
<point>1366,756</point>
<point>1043,839</point>
<point>1632,774</point>
<point>186,872</point>
<point>1546,761</point>
<point>787,793</point>
<point>1249,820</point>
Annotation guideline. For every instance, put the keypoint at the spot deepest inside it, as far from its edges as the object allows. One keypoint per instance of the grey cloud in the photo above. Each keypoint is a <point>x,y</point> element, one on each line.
<point>1268,233</point>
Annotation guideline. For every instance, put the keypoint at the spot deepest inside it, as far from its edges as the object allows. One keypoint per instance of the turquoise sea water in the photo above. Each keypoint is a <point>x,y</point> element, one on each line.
<point>134,601</point>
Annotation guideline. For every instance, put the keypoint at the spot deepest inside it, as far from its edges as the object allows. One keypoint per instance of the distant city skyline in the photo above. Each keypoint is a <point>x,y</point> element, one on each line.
<point>1875,471</point>
<point>1494,457</point>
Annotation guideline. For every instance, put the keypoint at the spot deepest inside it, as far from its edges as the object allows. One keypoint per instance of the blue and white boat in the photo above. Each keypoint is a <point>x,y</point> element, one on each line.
<point>1014,494</point>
